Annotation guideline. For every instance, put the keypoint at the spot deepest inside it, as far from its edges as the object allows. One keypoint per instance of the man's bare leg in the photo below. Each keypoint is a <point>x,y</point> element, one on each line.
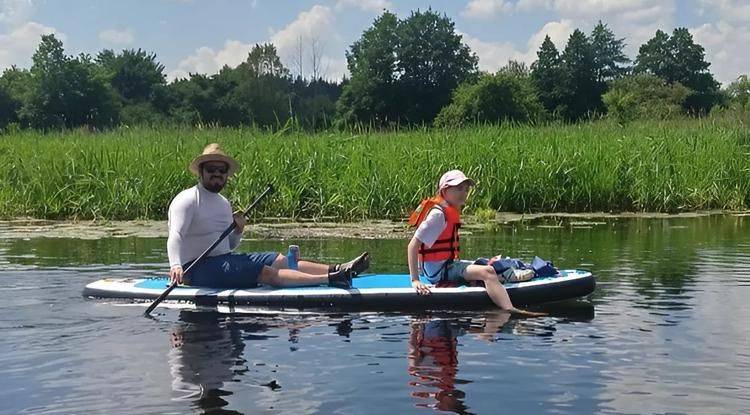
<point>290,278</point>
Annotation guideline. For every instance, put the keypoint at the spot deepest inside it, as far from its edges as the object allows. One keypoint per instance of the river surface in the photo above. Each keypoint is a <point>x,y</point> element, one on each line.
<point>666,331</point>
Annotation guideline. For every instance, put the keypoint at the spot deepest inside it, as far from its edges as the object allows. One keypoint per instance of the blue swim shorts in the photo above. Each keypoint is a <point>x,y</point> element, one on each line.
<point>230,270</point>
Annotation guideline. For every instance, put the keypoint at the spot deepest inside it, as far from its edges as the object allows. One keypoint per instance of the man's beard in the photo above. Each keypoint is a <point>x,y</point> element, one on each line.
<point>214,187</point>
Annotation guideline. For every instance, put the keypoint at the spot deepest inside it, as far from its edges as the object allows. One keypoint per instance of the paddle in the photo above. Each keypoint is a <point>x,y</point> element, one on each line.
<point>231,227</point>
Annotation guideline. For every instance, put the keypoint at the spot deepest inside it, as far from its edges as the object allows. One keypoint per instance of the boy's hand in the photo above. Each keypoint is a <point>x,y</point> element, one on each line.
<point>421,288</point>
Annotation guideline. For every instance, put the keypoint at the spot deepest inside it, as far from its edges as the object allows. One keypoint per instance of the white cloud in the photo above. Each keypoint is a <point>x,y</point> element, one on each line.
<point>558,32</point>
<point>14,13</point>
<point>495,55</point>
<point>725,34</point>
<point>117,37</point>
<point>366,5</point>
<point>731,10</point>
<point>487,9</point>
<point>602,7</point>
<point>532,5</point>
<point>17,47</point>
<point>634,20</point>
<point>314,24</point>
<point>209,61</point>
<point>722,41</point>
<point>725,37</point>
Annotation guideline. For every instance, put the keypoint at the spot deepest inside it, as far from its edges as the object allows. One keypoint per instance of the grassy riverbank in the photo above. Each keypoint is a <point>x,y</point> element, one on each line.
<point>133,173</point>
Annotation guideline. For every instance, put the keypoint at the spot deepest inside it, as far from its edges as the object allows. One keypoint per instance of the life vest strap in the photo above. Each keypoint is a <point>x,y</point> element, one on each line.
<point>433,250</point>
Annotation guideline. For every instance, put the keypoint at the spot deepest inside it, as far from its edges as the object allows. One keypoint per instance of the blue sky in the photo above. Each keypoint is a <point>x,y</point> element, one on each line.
<point>201,36</point>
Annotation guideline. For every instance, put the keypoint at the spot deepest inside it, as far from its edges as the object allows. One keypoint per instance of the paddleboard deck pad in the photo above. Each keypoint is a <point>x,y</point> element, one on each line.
<point>374,291</point>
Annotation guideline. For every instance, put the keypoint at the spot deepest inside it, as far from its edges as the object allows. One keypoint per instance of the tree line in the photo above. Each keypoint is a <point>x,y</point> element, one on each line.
<point>403,72</point>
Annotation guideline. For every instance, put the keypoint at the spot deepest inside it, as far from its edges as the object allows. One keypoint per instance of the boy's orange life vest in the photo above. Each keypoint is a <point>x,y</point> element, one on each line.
<point>446,247</point>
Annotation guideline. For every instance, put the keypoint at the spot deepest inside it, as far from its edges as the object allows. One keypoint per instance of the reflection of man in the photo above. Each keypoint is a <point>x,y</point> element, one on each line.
<point>208,350</point>
<point>204,355</point>
<point>433,358</point>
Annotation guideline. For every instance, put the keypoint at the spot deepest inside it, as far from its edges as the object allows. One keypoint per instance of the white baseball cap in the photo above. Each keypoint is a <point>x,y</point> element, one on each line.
<point>453,178</point>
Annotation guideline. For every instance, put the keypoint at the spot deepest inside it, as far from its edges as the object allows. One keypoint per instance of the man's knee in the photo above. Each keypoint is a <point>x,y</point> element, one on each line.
<point>269,276</point>
<point>280,262</point>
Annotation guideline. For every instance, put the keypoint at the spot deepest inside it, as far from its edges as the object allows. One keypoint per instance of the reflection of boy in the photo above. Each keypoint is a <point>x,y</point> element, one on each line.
<point>433,356</point>
<point>433,361</point>
<point>434,249</point>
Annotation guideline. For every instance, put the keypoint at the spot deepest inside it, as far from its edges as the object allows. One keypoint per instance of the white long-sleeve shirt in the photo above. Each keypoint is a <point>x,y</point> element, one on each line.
<point>197,218</point>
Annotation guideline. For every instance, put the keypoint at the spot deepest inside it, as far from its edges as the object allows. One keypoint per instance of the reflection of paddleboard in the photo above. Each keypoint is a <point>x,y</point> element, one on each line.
<point>376,291</point>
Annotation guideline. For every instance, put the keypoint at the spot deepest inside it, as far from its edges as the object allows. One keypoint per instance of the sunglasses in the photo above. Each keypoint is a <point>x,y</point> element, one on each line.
<point>216,169</point>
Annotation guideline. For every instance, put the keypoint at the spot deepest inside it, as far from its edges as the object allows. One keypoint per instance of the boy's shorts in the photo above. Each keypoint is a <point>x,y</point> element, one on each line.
<point>230,270</point>
<point>454,272</point>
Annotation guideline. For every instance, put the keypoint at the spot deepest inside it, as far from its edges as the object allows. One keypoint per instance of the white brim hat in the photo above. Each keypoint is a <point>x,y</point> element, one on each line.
<point>453,178</point>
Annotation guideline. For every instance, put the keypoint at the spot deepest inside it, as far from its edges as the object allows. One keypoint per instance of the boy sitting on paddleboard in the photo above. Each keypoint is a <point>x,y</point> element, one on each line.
<point>434,249</point>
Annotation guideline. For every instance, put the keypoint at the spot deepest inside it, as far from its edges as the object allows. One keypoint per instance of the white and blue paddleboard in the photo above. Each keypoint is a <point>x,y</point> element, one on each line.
<point>374,291</point>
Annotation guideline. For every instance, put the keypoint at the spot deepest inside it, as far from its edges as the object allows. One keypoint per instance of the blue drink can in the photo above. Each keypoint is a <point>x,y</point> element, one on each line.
<point>292,256</point>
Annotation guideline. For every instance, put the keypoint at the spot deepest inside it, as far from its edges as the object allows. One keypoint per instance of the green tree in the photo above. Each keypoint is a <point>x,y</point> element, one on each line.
<point>263,60</point>
<point>254,93</point>
<point>644,96</point>
<point>134,74</point>
<point>738,93</point>
<point>139,80</point>
<point>548,76</point>
<point>610,62</point>
<point>314,102</point>
<point>66,91</point>
<point>508,95</point>
<point>370,94</point>
<point>581,94</point>
<point>678,58</point>
<point>263,88</point>
<point>432,62</point>
<point>8,107</point>
<point>404,70</point>
<point>14,88</point>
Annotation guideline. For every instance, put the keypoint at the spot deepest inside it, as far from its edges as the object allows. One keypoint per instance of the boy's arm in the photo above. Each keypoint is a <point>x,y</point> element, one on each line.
<point>412,253</point>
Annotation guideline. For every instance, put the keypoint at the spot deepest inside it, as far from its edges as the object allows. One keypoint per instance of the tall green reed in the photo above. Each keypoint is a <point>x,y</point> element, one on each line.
<point>665,166</point>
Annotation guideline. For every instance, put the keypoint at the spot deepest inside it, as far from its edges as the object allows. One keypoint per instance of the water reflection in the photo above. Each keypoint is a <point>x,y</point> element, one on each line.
<point>207,353</point>
<point>670,333</point>
<point>433,348</point>
<point>433,359</point>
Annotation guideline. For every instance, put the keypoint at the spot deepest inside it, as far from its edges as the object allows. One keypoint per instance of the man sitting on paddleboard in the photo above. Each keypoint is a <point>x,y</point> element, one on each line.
<point>198,215</point>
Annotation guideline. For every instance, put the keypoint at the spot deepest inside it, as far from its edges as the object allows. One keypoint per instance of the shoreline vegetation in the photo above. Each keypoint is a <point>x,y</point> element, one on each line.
<point>285,229</point>
<point>682,165</point>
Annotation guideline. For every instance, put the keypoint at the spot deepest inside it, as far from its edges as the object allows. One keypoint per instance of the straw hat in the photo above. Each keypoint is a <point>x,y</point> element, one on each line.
<point>213,152</point>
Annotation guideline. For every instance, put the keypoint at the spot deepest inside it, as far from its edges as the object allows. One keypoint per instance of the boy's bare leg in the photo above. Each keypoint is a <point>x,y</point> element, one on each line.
<point>495,290</point>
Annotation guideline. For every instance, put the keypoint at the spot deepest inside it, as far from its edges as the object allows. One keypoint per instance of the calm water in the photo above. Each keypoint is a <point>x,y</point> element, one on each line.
<point>667,331</point>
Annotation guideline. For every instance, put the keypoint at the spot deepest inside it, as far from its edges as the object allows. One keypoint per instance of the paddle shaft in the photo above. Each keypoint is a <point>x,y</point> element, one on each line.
<point>223,235</point>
